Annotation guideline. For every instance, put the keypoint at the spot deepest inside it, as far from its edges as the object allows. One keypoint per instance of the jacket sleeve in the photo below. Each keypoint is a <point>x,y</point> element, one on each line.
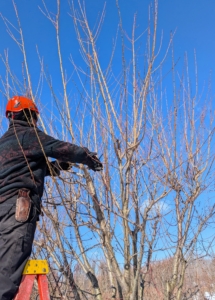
<point>39,144</point>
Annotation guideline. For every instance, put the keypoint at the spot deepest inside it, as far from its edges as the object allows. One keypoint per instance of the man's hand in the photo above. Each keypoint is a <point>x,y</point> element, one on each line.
<point>64,166</point>
<point>56,166</point>
<point>92,161</point>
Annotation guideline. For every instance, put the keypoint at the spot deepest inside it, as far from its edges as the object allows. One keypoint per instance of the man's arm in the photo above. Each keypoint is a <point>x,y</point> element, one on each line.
<point>40,144</point>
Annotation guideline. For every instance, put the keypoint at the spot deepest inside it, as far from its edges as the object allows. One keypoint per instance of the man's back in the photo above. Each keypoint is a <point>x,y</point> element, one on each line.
<point>15,168</point>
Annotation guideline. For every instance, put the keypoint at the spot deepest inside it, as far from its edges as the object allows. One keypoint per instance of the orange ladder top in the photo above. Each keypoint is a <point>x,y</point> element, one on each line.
<point>34,269</point>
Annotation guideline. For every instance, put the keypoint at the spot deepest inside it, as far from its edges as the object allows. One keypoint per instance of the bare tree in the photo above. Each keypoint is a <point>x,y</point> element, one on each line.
<point>101,233</point>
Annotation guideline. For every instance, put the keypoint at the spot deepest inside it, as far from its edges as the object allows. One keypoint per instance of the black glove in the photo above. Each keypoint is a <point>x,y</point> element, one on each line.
<point>56,167</point>
<point>63,165</point>
<point>92,161</point>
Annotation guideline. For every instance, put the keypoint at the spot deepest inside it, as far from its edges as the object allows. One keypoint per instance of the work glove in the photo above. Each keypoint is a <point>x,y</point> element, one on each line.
<point>63,165</point>
<point>92,161</point>
<point>57,166</point>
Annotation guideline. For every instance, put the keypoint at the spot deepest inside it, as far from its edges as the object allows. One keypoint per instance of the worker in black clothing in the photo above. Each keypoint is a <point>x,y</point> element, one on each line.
<point>23,165</point>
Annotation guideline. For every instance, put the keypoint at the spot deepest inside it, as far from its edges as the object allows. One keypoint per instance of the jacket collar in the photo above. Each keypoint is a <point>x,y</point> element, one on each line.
<point>18,123</point>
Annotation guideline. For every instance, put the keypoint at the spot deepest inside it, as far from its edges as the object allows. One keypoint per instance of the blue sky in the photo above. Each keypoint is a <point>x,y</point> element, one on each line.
<point>193,21</point>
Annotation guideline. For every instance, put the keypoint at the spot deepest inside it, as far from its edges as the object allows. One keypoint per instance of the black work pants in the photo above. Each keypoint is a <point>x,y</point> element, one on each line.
<point>16,241</point>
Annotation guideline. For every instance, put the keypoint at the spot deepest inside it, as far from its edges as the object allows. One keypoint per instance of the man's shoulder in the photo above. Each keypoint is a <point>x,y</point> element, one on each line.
<point>35,130</point>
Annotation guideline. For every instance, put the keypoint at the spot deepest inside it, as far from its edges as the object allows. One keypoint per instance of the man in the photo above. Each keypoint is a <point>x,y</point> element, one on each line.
<point>23,165</point>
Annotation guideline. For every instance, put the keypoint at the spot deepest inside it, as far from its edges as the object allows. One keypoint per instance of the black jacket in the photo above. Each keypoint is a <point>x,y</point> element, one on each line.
<point>23,153</point>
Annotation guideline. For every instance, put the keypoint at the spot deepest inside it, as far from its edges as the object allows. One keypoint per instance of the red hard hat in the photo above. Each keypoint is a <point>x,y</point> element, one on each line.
<point>18,103</point>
